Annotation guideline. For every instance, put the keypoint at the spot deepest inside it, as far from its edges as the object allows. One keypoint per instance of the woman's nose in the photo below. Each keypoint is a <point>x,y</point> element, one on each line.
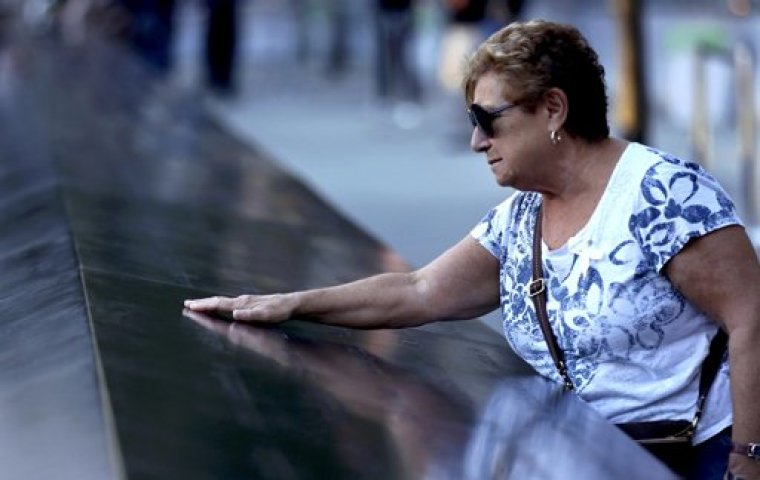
<point>479,142</point>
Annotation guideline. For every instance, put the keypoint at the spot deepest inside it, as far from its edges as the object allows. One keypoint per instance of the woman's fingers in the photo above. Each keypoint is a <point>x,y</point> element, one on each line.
<point>267,311</point>
<point>215,304</point>
<point>245,308</point>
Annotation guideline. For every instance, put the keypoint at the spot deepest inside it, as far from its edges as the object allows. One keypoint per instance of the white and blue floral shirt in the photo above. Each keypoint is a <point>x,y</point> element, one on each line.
<point>633,344</point>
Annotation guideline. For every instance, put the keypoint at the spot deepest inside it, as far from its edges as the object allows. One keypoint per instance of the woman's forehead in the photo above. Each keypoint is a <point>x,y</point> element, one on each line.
<point>490,87</point>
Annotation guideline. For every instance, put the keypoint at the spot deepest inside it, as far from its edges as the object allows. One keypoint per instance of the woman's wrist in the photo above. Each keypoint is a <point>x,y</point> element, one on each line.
<point>304,304</point>
<point>749,450</point>
<point>293,302</point>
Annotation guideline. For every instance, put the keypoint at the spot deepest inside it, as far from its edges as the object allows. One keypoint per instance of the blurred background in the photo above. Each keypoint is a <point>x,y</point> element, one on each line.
<point>360,99</point>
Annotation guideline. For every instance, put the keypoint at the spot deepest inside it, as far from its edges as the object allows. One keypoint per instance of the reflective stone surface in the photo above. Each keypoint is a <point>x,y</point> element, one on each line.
<point>52,424</point>
<point>120,200</point>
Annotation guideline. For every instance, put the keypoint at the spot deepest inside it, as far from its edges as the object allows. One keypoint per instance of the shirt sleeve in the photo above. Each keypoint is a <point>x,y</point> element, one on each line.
<point>678,201</point>
<point>491,230</point>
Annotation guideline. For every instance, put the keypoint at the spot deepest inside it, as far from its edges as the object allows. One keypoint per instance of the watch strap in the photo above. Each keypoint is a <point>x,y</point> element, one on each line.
<point>751,450</point>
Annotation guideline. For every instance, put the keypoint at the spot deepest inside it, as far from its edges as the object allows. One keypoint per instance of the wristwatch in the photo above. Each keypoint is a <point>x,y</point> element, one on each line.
<point>751,450</point>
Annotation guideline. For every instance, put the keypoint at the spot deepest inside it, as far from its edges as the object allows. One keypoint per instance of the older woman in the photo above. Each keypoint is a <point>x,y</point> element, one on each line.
<point>643,255</point>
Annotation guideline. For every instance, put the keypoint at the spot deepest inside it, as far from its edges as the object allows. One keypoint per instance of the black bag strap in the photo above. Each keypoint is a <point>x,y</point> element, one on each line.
<point>710,368</point>
<point>537,293</point>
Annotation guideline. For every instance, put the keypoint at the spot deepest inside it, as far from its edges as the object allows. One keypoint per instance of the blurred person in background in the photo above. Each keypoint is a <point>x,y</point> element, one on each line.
<point>395,74</point>
<point>220,51</point>
<point>337,15</point>
<point>641,259</point>
<point>151,32</point>
<point>339,29</point>
<point>396,78</point>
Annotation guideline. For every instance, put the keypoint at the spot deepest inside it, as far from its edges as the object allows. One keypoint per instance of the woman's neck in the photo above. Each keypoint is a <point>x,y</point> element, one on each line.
<point>582,169</point>
<point>583,174</point>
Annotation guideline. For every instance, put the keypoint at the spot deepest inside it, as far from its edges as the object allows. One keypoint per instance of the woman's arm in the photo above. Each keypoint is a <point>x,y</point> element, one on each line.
<point>720,274</point>
<point>462,283</point>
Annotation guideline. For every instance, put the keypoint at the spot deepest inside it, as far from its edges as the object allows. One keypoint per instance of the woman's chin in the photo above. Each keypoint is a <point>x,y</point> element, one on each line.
<point>503,180</point>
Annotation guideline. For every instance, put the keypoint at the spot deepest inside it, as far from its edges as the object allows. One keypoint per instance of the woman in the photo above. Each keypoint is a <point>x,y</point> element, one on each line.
<point>644,255</point>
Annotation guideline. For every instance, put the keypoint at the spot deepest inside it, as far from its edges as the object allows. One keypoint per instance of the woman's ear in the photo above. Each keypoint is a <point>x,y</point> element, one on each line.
<point>556,106</point>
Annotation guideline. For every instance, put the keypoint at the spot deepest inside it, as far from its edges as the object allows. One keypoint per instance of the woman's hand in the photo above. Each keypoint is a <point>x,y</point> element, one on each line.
<point>248,308</point>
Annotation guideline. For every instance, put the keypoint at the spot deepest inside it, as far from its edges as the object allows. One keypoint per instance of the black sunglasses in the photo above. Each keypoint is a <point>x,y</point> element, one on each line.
<point>483,119</point>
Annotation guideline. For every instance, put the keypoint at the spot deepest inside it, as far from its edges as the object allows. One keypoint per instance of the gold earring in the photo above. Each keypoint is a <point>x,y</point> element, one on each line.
<point>555,137</point>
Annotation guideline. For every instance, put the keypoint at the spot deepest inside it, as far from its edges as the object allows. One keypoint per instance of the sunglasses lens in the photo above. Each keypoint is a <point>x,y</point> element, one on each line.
<point>481,118</point>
